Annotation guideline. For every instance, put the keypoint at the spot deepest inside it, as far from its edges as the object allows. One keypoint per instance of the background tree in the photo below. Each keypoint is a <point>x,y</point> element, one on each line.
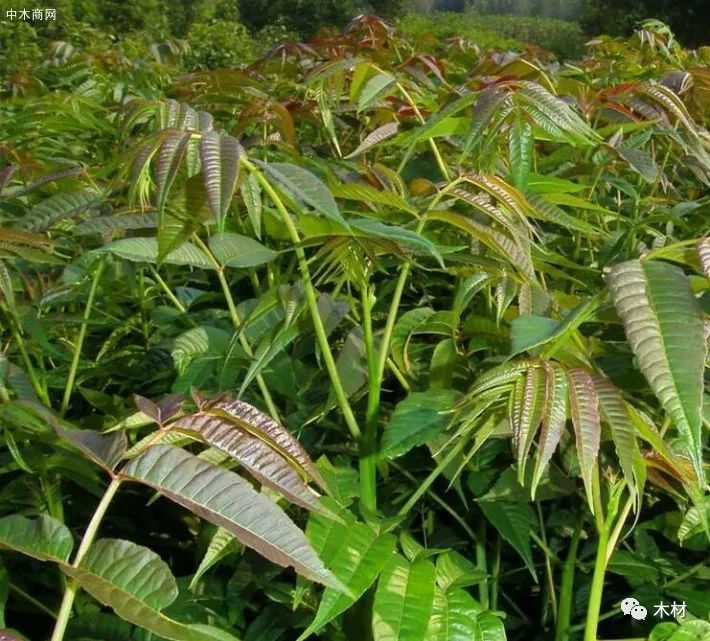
<point>689,19</point>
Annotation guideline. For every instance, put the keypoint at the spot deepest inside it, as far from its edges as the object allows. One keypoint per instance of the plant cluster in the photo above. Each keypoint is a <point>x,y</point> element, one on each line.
<point>379,338</point>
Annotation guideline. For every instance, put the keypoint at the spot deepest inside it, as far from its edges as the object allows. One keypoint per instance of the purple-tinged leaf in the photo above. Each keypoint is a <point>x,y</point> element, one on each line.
<point>554,418</point>
<point>220,167</point>
<point>257,457</point>
<point>263,427</point>
<point>584,408</point>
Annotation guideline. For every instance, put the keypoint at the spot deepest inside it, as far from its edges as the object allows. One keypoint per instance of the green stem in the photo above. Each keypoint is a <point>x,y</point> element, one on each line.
<point>368,453</point>
<point>30,599</point>
<point>312,302</point>
<point>595,594</point>
<point>441,502</point>
<point>237,322</point>
<point>429,480</point>
<point>564,611</point>
<point>481,563</point>
<point>435,150</point>
<point>548,564</point>
<point>39,389</point>
<point>168,292</point>
<point>495,574</point>
<point>80,340</point>
<point>89,536</point>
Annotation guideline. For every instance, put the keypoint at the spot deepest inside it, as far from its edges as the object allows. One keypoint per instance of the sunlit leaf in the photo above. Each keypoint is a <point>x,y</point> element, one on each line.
<point>664,325</point>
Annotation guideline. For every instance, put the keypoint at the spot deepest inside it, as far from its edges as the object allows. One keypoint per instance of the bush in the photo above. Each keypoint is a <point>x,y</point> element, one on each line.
<point>19,46</point>
<point>442,26</point>
<point>219,44</point>
<point>565,38</point>
<point>500,32</point>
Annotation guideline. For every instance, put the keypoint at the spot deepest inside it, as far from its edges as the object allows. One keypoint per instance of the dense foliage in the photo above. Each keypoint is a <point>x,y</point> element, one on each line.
<point>424,323</point>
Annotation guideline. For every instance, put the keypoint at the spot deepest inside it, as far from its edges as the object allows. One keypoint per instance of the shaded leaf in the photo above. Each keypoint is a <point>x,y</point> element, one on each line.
<point>304,187</point>
<point>145,250</point>
<point>43,538</point>
<point>137,584</point>
<point>222,544</point>
<point>235,250</point>
<point>417,419</point>
<point>227,500</point>
<point>512,520</point>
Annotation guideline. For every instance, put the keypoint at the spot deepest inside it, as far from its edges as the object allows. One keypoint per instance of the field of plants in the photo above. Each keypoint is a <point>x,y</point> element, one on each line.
<point>386,336</point>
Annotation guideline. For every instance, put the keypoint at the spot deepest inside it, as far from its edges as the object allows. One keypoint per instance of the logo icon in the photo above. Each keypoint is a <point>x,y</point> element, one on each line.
<point>628,604</point>
<point>638,612</point>
<point>631,607</point>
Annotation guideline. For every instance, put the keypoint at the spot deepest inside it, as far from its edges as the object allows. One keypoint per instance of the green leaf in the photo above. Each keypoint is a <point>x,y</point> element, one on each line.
<point>356,554</point>
<point>122,222</point>
<point>221,545</point>
<point>512,520</point>
<point>416,420</point>
<point>405,326</point>
<point>623,433</point>
<point>528,331</point>
<point>408,239</point>
<point>251,195</point>
<point>664,326</point>
<point>362,192</point>
<point>227,500</point>
<point>234,250</point>
<point>584,409</point>
<point>377,136</point>
<point>520,153</point>
<point>577,203</point>
<point>455,617</point>
<point>374,89</point>
<point>61,206</point>
<point>404,600</point>
<point>694,521</point>
<point>145,250</point>
<point>6,288</point>
<point>44,538</point>
<point>198,341</point>
<point>304,188</point>
<point>641,162</point>
<point>137,584</point>
<point>454,570</point>
<point>490,627</point>
<point>220,166</point>
<point>540,184</point>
